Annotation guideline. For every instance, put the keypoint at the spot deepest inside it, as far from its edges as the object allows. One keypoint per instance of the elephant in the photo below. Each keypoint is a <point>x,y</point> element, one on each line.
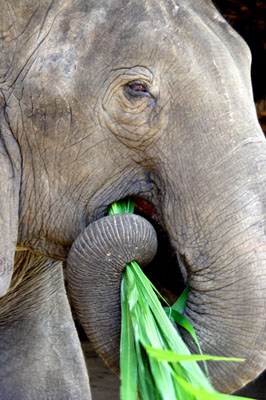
<point>104,100</point>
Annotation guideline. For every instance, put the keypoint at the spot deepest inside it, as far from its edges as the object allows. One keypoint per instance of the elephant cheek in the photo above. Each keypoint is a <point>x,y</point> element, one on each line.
<point>94,270</point>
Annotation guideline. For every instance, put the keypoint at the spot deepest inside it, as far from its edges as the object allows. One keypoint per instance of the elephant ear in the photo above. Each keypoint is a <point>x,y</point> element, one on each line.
<point>10,178</point>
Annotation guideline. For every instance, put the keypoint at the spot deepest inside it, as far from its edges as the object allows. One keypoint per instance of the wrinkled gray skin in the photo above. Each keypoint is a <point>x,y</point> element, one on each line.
<point>76,135</point>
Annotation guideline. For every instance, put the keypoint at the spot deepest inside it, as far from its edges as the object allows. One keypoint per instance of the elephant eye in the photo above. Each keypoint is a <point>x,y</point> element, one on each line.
<point>137,88</point>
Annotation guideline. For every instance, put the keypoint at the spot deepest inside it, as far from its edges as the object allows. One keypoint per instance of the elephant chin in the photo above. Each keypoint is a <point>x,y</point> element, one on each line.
<point>94,269</point>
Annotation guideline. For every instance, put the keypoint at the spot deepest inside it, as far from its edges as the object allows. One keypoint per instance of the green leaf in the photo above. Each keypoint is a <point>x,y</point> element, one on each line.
<point>181,302</point>
<point>175,316</point>
<point>169,355</point>
<point>205,395</point>
<point>128,360</point>
<point>146,383</point>
<point>122,207</point>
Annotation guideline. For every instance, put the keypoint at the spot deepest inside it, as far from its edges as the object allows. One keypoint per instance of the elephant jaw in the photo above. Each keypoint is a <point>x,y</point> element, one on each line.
<point>104,332</point>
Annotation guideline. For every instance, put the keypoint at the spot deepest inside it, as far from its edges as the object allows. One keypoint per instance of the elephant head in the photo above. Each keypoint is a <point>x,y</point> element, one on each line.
<point>153,100</point>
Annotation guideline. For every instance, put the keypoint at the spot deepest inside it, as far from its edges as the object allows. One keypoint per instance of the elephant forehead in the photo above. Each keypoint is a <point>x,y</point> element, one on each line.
<point>140,26</point>
<point>72,39</point>
<point>114,33</point>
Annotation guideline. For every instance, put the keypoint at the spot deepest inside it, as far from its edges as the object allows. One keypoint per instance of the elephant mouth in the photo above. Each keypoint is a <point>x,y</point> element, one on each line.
<point>164,271</point>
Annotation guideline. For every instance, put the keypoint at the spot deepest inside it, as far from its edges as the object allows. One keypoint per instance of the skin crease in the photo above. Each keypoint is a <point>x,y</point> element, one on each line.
<point>74,138</point>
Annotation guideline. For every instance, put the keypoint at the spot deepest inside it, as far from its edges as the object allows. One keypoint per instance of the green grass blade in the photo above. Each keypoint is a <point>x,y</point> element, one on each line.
<point>169,355</point>
<point>130,206</point>
<point>128,360</point>
<point>181,302</point>
<point>123,207</point>
<point>205,395</point>
<point>152,329</point>
<point>145,379</point>
<point>175,316</point>
<point>170,335</point>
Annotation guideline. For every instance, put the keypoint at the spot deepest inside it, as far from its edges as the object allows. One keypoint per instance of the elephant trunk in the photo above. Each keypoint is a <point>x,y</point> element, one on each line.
<point>94,267</point>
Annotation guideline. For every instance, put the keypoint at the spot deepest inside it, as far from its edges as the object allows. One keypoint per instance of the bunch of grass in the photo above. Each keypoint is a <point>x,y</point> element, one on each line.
<point>155,363</point>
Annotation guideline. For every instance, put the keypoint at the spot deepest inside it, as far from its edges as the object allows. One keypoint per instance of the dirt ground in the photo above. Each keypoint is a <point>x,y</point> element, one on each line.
<point>104,385</point>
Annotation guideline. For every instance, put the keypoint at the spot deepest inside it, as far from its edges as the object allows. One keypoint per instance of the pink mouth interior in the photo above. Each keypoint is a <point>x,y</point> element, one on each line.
<point>146,208</point>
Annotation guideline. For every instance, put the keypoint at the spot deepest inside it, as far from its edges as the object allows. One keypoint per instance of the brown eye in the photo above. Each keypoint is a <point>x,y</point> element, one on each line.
<point>137,89</point>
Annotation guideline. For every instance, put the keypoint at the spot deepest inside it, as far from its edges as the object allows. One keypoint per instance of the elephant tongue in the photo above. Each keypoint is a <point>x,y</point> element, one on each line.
<point>145,207</point>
